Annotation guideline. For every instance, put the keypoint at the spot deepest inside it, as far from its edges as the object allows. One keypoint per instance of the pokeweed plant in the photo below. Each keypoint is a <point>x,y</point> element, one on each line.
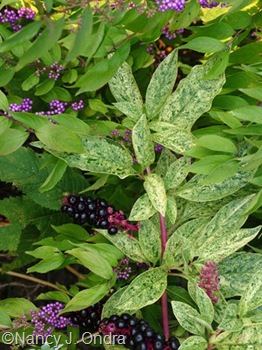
<point>175,256</point>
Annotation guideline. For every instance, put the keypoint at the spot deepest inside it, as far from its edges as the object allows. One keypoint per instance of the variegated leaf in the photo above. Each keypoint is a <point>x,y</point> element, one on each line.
<point>252,297</point>
<point>155,189</point>
<point>150,241</point>
<point>176,173</point>
<point>142,209</point>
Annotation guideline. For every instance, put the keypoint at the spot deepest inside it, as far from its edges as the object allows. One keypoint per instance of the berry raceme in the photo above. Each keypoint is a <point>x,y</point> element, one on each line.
<point>88,319</point>
<point>137,334</point>
<point>97,213</point>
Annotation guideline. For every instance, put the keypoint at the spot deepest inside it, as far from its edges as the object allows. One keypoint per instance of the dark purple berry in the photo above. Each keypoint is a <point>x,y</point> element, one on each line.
<point>113,318</point>
<point>125,317</point>
<point>132,321</point>
<point>138,338</point>
<point>91,206</point>
<point>64,208</point>
<point>148,333</point>
<point>102,203</point>
<point>72,199</point>
<point>104,224</point>
<point>120,323</point>
<point>112,230</point>
<point>173,343</point>
<point>159,336</point>
<point>81,207</point>
<point>159,345</point>
<point>70,211</point>
<point>141,346</point>
<point>91,218</point>
<point>102,212</point>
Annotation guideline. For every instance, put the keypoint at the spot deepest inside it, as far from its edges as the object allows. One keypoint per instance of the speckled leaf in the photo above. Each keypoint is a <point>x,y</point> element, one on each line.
<point>144,290</point>
<point>130,109</point>
<point>248,338</point>
<point>114,347</point>
<point>150,241</point>
<point>194,190</point>
<point>129,246</point>
<point>176,173</point>
<point>188,318</point>
<point>252,297</point>
<point>142,142</point>
<point>203,302</point>
<point>142,209</point>
<point>226,244</point>
<point>227,220</point>
<point>110,307</point>
<point>172,137</point>
<point>232,283</point>
<point>124,87</point>
<point>192,98</point>
<point>161,84</point>
<point>171,209</point>
<point>155,189</point>
<point>194,343</point>
<point>103,156</point>
<point>165,160</point>
<point>230,320</point>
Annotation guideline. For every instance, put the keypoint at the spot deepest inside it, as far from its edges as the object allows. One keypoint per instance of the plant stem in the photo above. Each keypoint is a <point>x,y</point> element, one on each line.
<point>164,302</point>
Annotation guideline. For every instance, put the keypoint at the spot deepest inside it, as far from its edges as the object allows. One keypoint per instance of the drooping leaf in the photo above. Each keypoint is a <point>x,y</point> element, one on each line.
<point>54,177</point>
<point>155,189</point>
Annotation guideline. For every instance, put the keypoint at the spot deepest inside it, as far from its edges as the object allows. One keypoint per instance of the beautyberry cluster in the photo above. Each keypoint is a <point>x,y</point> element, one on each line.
<point>88,319</point>
<point>25,106</point>
<point>209,280</point>
<point>125,269</point>
<point>14,17</point>
<point>138,335</point>
<point>77,106</point>
<point>97,213</point>
<point>55,107</point>
<point>48,318</point>
<point>171,34</point>
<point>209,3</point>
<point>177,5</point>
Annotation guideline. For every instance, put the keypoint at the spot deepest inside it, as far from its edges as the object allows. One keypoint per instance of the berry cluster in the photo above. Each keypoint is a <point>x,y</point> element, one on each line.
<point>171,34</point>
<point>97,213</point>
<point>25,106</point>
<point>209,3</point>
<point>88,319</point>
<point>48,318</point>
<point>77,106</point>
<point>137,333</point>
<point>55,107</point>
<point>15,16</point>
<point>209,280</point>
<point>177,5</point>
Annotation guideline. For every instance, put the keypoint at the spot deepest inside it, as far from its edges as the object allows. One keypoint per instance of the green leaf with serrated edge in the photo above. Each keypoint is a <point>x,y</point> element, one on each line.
<point>4,104</point>
<point>217,143</point>
<point>172,137</point>
<point>194,343</point>
<point>252,296</point>
<point>11,140</point>
<point>124,88</point>
<point>155,189</point>
<point>86,298</point>
<point>30,82</point>
<point>142,209</point>
<point>203,302</point>
<point>54,177</point>
<point>130,109</point>
<point>43,43</point>
<point>189,318</point>
<point>228,244</point>
<point>58,296</point>
<point>219,66</point>
<point>20,37</point>
<point>227,220</point>
<point>128,245</point>
<point>82,36</point>
<point>194,190</point>
<point>5,320</point>
<point>16,307</point>
<point>248,338</point>
<point>46,86</point>
<point>165,160</point>
<point>230,320</point>
<point>231,282</point>
<point>161,84</point>
<point>150,241</point>
<point>142,143</point>
<point>145,289</point>
<point>50,135</point>
<point>192,98</point>
<point>171,209</point>
<point>110,307</point>
<point>102,156</point>
<point>176,173</point>
<point>5,124</point>
<point>204,44</point>
<point>99,74</point>
<point>93,261</point>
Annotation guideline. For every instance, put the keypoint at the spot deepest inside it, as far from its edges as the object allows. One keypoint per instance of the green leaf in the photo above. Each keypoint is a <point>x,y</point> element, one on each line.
<point>110,307</point>
<point>144,290</point>
<point>93,261</point>
<point>130,109</point>
<point>126,92</point>
<point>46,86</point>
<point>155,189</point>
<point>30,119</point>
<point>217,143</point>
<point>165,160</point>
<point>11,140</point>
<point>232,283</point>
<point>192,98</point>
<point>72,231</point>
<point>20,37</point>
<point>4,104</point>
<point>142,209</point>
<point>30,82</point>
<point>230,320</point>
<point>51,257</point>
<point>171,209</point>
<point>189,318</point>
<point>195,190</point>
<point>86,298</point>
<point>98,75</point>
<point>150,241</point>
<point>252,296</point>
<point>101,181</point>
<point>6,76</point>
<point>204,44</point>
<point>209,164</point>
<point>220,65</point>
<point>179,294</point>
<point>254,92</point>
<point>161,84</point>
<point>16,307</point>
<point>128,245</point>
<point>54,177</point>
<point>203,302</point>
<point>5,320</point>
<point>42,44</point>
<point>249,336</point>
<point>59,296</point>
<point>142,143</point>
<point>98,106</point>
<point>172,137</point>
<point>242,55</point>
<point>194,343</point>
<point>60,139</point>
<point>250,113</point>
<point>72,123</point>
<point>176,173</point>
